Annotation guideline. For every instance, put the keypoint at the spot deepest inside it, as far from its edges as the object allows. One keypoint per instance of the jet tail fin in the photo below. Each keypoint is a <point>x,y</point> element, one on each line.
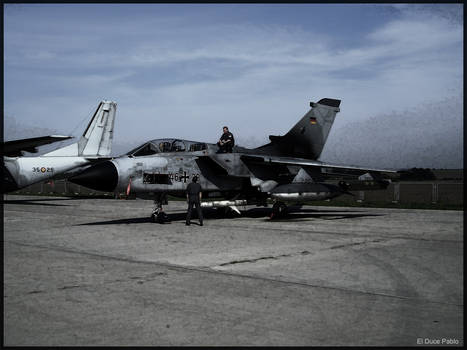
<point>97,138</point>
<point>307,138</point>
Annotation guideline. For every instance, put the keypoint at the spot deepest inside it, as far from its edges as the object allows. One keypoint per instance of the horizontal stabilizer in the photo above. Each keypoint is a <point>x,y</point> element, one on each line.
<point>16,148</point>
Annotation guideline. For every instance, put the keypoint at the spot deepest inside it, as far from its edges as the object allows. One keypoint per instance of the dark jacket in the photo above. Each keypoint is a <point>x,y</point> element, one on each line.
<point>192,190</point>
<point>228,136</point>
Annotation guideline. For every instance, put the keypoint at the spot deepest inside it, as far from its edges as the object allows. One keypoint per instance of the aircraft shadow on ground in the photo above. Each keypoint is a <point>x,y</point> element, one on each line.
<point>40,201</point>
<point>212,214</point>
<point>34,202</point>
<point>304,214</point>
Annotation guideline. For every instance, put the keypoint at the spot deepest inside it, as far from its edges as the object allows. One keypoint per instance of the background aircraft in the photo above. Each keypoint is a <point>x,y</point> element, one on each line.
<point>95,144</point>
<point>285,169</point>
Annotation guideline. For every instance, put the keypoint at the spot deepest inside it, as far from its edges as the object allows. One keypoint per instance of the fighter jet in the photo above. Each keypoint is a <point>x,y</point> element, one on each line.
<point>94,145</point>
<point>285,170</point>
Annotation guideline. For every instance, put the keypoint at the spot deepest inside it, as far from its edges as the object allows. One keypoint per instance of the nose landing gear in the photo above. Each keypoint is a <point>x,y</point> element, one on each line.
<point>158,215</point>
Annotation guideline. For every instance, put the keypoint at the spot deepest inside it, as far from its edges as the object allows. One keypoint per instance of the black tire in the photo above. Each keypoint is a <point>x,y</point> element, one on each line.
<point>279,209</point>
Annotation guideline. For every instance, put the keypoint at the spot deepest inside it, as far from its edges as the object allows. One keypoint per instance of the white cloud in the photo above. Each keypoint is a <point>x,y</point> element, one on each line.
<point>172,78</point>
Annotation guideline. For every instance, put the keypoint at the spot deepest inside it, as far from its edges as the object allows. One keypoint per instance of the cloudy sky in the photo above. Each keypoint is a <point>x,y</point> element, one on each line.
<point>185,70</point>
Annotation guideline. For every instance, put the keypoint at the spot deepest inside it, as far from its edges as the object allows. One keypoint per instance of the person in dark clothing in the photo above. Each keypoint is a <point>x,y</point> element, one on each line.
<point>226,142</point>
<point>193,197</point>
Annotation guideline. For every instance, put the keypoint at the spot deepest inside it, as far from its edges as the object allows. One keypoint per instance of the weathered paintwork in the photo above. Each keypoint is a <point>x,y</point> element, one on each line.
<point>285,169</point>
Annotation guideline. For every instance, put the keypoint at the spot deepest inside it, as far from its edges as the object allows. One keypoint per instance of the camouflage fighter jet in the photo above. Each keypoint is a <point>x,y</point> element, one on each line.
<point>285,170</point>
<point>94,145</point>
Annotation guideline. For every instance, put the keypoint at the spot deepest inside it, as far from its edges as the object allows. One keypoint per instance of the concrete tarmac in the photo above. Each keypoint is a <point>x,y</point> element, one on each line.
<point>99,272</point>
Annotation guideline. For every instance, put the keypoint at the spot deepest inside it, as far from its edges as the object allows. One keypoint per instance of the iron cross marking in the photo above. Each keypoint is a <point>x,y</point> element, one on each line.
<point>184,177</point>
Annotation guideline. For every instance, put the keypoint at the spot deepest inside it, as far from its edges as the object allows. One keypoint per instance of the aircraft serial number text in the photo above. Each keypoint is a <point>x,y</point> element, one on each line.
<point>42,170</point>
<point>180,177</point>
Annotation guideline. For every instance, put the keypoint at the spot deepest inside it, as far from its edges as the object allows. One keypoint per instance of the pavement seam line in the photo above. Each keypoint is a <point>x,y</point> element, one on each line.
<point>213,271</point>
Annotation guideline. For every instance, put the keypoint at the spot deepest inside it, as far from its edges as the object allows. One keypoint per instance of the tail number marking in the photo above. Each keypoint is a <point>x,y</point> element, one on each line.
<point>179,177</point>
<point>43,169</point>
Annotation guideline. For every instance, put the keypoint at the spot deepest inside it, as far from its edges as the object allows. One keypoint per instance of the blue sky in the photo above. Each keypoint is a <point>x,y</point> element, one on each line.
<point>185,70</point>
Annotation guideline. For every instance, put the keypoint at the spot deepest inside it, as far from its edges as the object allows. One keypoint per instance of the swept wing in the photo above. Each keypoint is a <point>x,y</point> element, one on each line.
<point>314,165</point>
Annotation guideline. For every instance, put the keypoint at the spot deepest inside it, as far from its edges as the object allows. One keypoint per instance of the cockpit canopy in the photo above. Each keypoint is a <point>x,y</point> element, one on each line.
<point>166,146</point>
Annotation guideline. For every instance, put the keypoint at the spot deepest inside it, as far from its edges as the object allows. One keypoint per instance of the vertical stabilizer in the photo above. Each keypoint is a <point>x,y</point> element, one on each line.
<point>307,138</point>
<point>97,138</point>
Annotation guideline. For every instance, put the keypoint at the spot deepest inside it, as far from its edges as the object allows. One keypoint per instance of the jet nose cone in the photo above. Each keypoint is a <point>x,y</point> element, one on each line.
<point>100,177</point>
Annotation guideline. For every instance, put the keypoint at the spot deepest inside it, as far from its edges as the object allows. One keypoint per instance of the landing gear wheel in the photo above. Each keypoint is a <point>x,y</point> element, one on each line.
<point>155,213</point>
<point>278,209</point>
<point>158,215</point>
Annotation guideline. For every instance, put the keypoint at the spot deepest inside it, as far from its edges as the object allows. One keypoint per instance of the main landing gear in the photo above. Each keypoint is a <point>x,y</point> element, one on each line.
<point>158,215</point>
<point>279,209</point>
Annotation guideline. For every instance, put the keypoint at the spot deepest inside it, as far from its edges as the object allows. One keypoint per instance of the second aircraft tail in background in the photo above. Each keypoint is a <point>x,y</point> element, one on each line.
<point>97,138</point>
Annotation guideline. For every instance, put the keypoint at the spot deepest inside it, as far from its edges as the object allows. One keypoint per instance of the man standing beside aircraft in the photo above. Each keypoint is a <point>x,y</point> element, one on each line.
<point>226,142</point>
<point>193,197</point>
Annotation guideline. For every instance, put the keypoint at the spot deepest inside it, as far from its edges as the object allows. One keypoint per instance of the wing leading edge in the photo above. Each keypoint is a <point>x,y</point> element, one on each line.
<point>325,168</point>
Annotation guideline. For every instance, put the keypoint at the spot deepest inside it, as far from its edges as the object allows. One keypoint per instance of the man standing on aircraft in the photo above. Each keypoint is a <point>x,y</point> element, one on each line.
<point>193,197</point>
<point>226,142</point>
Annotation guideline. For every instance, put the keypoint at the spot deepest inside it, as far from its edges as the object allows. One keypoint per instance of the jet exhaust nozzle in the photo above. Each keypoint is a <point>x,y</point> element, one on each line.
<point>100,177</point>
